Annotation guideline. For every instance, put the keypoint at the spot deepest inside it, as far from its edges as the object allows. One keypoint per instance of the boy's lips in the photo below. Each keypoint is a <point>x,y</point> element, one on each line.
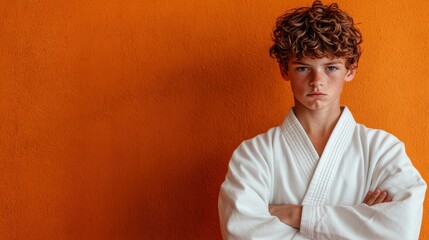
<point>315,94</point>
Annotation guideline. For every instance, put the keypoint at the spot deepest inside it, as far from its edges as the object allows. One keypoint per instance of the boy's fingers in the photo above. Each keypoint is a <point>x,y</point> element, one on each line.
<point>373,197</point>
<point>381,198</point>
<point>376,197</point>
<point>368,195</point>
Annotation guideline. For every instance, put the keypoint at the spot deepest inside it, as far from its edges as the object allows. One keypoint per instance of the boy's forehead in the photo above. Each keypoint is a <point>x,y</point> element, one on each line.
<point>328,59</point>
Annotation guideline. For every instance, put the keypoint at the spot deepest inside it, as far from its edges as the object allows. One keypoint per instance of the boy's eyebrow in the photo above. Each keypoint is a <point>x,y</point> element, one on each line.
<point>299,62</point>
<point>328,63</point>
<point>331,63</point>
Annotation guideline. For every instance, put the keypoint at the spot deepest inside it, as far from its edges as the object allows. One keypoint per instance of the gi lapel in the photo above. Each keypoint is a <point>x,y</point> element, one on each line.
<point>323,177</point>
<point>302,148</point>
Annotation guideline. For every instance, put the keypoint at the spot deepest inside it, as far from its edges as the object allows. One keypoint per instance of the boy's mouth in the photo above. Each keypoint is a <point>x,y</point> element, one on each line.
<point>315,94</point>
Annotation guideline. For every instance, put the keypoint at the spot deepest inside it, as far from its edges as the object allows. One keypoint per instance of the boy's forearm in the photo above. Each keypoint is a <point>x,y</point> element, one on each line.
<point>290,214</point>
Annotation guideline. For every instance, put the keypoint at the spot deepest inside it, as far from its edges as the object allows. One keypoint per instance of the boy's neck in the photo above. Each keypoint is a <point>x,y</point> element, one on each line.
<point>318,122</point>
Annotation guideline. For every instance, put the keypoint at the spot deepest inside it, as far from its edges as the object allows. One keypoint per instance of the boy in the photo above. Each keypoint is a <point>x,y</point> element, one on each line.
<point>320,175</point>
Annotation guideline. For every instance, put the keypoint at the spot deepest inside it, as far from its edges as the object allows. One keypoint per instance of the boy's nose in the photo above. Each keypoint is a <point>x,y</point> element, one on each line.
<point>317,79</point>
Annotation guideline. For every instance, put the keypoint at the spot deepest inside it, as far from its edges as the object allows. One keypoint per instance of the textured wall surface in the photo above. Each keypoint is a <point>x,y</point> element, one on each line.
<point>118,118</point>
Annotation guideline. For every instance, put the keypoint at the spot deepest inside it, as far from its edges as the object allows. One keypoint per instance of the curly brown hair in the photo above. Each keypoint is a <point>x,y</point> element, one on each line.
<point>316,32</point>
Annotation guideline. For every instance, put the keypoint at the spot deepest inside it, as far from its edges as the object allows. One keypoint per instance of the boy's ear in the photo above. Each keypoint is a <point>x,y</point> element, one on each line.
<point>351,73</point>
<point>283,72</point>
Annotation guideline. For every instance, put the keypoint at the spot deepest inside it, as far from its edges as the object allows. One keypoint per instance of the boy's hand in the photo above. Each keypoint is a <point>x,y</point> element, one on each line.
<point>287,213</point>
<point>377,196</point>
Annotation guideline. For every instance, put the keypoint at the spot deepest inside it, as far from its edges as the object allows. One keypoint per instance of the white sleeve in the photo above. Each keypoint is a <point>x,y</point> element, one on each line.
<point>399,219</point>
<point>244,197</point>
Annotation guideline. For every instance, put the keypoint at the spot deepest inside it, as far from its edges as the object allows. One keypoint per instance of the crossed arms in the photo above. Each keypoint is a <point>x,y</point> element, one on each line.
<point>290,214</point>
<point>246,212</point>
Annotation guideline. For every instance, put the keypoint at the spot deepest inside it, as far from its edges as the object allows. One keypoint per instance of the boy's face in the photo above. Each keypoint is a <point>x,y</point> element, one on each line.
<point>317,83</point>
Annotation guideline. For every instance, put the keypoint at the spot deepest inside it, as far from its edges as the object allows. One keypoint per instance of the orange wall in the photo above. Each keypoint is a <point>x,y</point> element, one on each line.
<point>118,118</point>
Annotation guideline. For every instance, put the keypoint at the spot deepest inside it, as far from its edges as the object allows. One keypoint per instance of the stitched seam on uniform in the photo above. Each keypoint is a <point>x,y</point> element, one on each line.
<point>302,151</point>
<point>336,149</point>
<point>322,178</point>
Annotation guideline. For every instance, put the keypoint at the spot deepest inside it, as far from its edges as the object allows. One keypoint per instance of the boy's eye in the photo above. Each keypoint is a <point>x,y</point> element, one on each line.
<point>302,69</point>
<point>332,68</point>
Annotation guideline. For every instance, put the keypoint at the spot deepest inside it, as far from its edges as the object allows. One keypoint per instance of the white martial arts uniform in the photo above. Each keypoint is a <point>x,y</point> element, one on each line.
<point>281,166</point>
